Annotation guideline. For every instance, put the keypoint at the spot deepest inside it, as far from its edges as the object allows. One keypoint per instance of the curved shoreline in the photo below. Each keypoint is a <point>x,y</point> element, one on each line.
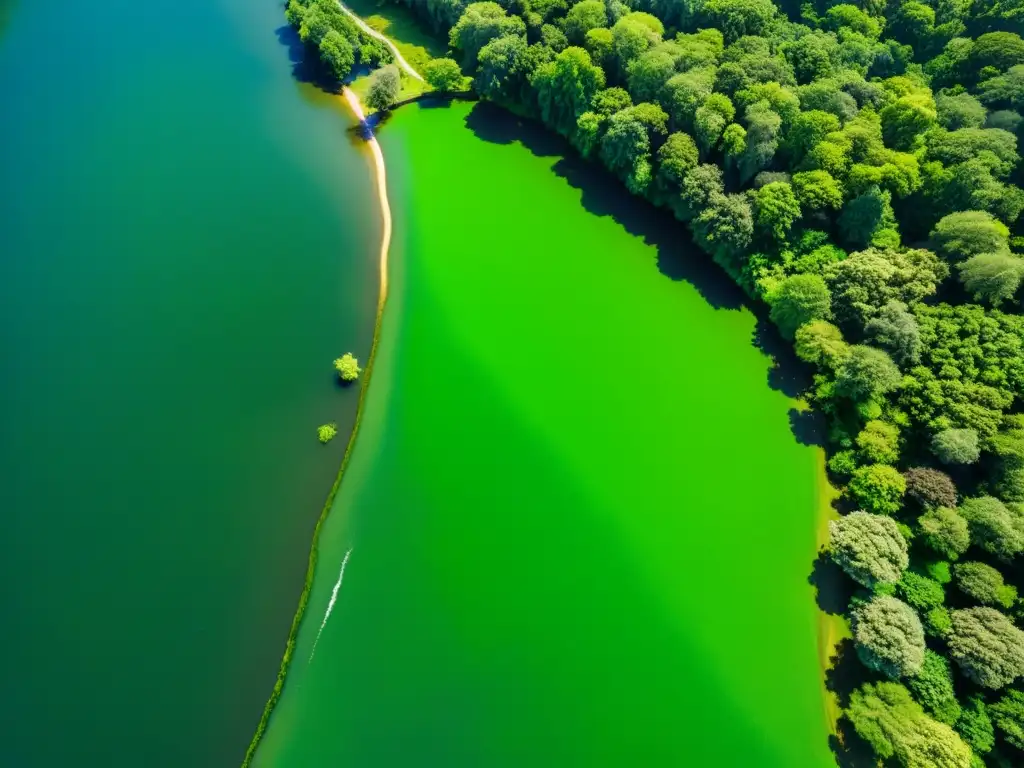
<point>382,194</point>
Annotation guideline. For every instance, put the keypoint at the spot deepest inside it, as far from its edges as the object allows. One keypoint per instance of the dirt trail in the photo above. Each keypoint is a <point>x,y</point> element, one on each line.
<point>377,35</point>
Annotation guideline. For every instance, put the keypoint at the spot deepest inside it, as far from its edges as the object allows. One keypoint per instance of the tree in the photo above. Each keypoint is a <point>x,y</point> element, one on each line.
<point>895,330</point>
<point>1000,50</point>
<point>762,139</point>
<point>960,110</point>
<point>920,592</point>
<point>1006,90</point>
<point>889,637</point>
<point>479,24</point>
<point>817,190</point>
<point>1008,714</point>
<point>583,17</point>
<point>699,186</point>
<point>798,300</point>
<point>736,18</point>
<point>676,158</point>
<point>504,69</point>
<point>868,219</point>
<point>975,726</point>
<point>987,647</point>
<point>684,92</point>
<point>821,343</point>
<point>443,75</point>
<point>326,432</point>
<point>993,526</point>
<point>626,150</point>
<point>984,584</point>
<point>565,88</point>
<point>777,210</point>
<point>930,488</point>
<point>956,446</point>
<point>887,717</point>
<point>649,72</point>
<point>385,84</point>
<point>869,548</point>
<point>710,119</point>
<point>347,367</point>
<point>933,689</point>
<point>877,488</point>
<point>879,442</point>
<point>632,35</point>
<point>337,53</point>
<point>610,100</point>
<point>866,372</point>
<point>992,277</point>
<point>945,532</point>
<point>724,229</point>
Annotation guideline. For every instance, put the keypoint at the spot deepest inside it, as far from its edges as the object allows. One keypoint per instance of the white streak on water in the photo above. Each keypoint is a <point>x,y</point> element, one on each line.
<point>330,605</point>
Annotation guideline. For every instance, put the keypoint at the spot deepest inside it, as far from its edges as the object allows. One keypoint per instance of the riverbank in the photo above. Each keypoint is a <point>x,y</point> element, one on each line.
<point>380,177</point>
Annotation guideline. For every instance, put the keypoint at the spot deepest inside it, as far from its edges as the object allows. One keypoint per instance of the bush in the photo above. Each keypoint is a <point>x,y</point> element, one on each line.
<point>956,446</point>
<point>889,637</point>
<point>877,488</point>
<point>933,688</point>
<point>945,532</point>
<point>326,432</point>
<point>348,367</point>
<point>868,547</point>
<point>930,487</point>
<point>879,443</point>
<point>975,725</point>
<point>444,75</point>
<point>921,592</point>
<point>385,84</point>
<point>994,527</point>
<point>986,645</point>
<point>1008,714</point>
<point>985,584</point>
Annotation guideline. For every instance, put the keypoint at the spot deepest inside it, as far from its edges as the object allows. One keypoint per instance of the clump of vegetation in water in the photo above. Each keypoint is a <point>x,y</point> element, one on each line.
<point>347,367</point>
<point>855,168</point>
<point>327,432</point>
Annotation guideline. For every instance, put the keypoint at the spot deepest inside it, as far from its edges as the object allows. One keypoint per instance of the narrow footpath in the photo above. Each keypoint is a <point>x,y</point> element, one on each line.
<point>378,36</point>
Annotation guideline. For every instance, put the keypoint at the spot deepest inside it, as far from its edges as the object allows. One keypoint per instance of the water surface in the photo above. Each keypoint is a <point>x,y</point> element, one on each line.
<point>580,524</point>
<point>187,239</point>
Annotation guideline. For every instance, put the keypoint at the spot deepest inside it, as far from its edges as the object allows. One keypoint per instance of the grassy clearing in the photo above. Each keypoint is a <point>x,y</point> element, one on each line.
<point>396,22</point>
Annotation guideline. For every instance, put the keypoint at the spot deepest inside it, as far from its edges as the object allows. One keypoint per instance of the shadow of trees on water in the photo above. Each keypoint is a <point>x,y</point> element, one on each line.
<point>678,258</point>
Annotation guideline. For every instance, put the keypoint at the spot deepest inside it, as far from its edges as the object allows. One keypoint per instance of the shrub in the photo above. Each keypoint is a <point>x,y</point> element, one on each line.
<point>986,645</point>
<point>877,488</point>
<point>956,446</point>
<point>985,584</point>
<point>945,532</point>
<point>889,637</point>
<point>347,367</point>
<point>326,432</point>
<point>930,487</point>
<point>868,547</point>
<point>933,688</point>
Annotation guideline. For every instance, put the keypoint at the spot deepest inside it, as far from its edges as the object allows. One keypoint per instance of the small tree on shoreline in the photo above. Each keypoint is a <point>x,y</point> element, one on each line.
<point>385,84</point>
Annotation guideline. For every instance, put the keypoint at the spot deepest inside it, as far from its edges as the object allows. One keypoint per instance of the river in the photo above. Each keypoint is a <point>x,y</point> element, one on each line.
<point>188,237</point>
<point>577,526</point>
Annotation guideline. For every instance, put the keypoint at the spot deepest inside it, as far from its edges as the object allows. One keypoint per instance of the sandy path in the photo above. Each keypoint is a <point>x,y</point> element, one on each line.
<point>391,46</point>
<point>382,191</point>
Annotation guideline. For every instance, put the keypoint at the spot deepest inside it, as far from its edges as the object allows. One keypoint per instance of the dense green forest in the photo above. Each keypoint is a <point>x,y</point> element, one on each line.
<point>855,167</point>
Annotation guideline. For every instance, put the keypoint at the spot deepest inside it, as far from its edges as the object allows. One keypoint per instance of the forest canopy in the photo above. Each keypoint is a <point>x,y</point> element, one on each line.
<point>855,168</point>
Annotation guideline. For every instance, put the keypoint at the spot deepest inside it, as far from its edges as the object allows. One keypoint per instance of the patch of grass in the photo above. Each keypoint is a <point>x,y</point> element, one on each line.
<point>412,39</point>
<point>410,88</point>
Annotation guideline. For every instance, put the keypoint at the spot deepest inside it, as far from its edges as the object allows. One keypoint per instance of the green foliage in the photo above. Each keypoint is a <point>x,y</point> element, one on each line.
<point>920,592</point>
<point>939,570</point>
<point>443,74</point>
<point>959,110</point>
<point>866,372</point>
<point>984,584</point>
<point>975,726</point>
<point>1008,714</point>
<point>987,647</point>
<point>565,88</point>
<point>889,637</point>
<point>817,190</point>
<point>326,432</point>
<point>879,443</point>
<point>479,24</point>
<point>337,53</point>
<point>736,18</point>
<point>385,84</point>
<point>994,526</point>
<point>821,343</point>
<point>937,622</point>
<point>944,531</point>
<point>583,17</point>
<point>347,367</point>
<point>777,210</point>
<point>868,219</point>
<point>877,488</point>
<point>724,229</point>
<point>933,689</point>
<point>798,300</point>
<point>956,446</point>
<point>887,717</point>
<point>895,330</point>
<point>992,277</point>
<point>868,547</point>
